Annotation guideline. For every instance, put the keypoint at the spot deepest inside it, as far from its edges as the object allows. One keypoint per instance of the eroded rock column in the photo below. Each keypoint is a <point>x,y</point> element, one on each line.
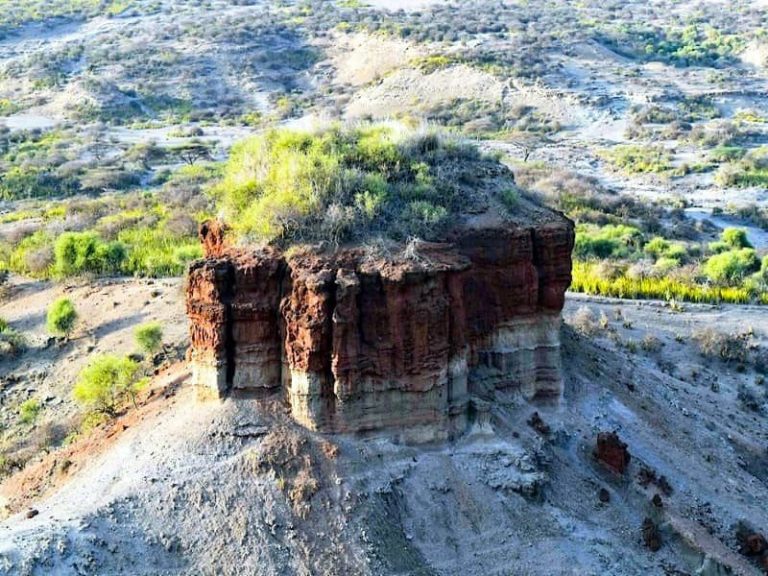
<point>209,295</point>
<point>362,345</point>
<point>256,326</point>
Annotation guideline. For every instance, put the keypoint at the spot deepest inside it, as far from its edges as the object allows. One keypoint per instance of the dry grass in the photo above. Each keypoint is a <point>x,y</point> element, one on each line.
<point>586,322</point>
<point>726,347</point>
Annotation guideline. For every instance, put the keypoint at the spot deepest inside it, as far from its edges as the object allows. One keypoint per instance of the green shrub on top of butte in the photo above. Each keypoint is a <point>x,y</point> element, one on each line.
<point>348,184</point>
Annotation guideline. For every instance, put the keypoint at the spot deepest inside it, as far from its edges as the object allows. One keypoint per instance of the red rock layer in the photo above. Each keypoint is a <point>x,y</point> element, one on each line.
<point>361,344</point>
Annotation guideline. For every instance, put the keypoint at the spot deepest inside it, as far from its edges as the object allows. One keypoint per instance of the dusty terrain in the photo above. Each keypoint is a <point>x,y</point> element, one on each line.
<point>222,488</point>
<point>109,311</point>
<point>178,486</point>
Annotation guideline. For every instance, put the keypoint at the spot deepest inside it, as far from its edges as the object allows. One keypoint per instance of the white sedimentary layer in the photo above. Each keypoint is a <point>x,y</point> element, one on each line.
<point>523,354</point>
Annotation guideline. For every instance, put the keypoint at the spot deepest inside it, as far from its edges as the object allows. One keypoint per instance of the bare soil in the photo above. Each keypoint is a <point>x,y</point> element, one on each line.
<point>236,487</point>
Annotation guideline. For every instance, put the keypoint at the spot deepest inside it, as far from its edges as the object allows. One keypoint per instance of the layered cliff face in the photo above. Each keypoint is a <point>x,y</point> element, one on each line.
<point>366,343</point>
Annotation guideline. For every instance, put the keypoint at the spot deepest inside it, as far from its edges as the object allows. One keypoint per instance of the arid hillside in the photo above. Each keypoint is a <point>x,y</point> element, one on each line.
<point>399,163</point>
<point>174,481</point>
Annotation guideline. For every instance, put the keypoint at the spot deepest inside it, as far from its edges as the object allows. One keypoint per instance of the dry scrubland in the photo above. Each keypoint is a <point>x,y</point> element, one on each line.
<point>644,123</point>
<point>164,484</point>
<point>123,124</point>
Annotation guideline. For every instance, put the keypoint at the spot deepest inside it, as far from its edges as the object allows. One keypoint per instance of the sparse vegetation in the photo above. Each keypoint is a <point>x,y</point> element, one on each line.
<point>586,321</point>
<point>12,342</point>
<point>341,184</point>
<point>107,383</point>
<point>62,317</point>
<point>750,170</point>
<point>726,347</point>
<point>149,337</point>
<point>639,159</point>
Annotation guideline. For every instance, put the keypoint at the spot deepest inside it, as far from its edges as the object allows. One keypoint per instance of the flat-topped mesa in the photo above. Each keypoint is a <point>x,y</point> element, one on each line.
<point>359,343</point>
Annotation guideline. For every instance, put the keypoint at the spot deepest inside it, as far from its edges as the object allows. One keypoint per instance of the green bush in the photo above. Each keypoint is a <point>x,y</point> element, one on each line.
<point>149,337</point>
<point>735,238</point>
<point>718,247</point>
<point>156,252</point>
<point>677,252</point>
<point>106,384</point>
<point>84,252</point>
<point>660,248</point>
<point>510,198</point>
<point>62,317</point>
<point>340,183</point>
<point>29,410</point>
<point>731,266</point>
<point>665,265</point>
<point>656,246</point>
<point>610,241</point>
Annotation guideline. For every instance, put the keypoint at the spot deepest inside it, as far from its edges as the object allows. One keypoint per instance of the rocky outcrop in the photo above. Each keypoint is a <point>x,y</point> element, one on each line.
<point>363,343</point>
<point>612,452</point>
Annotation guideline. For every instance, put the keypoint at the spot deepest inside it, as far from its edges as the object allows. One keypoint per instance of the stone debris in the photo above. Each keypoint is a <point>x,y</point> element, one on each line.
<point>612,452</point>
<point>539,425</point>
<point>753,545</point>
<point>651,535</point>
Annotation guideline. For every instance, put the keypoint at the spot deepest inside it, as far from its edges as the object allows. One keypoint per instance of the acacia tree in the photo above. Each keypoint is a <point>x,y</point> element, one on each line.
<point>193,151</point>
<point>106,383</point>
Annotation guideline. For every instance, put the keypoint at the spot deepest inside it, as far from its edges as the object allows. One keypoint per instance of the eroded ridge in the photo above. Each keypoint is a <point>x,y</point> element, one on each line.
<point>363,343</point>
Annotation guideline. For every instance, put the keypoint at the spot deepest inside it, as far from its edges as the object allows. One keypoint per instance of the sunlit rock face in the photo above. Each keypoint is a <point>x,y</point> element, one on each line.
<point>363,343</point>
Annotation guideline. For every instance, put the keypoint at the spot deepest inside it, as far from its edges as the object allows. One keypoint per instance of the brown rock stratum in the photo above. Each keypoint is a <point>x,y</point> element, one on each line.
<point>362,343</point>
<point>612,452</point>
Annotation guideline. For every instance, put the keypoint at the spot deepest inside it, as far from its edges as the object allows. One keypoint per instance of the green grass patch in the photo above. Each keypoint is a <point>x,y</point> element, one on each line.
<point>639,159</point>
<point>29,410</point>
<point>339,184</point>
<point>587,279</point>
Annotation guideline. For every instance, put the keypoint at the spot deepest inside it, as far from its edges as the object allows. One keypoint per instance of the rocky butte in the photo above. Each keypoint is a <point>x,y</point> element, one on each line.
<point>360,342</point>
<point>366,330</point>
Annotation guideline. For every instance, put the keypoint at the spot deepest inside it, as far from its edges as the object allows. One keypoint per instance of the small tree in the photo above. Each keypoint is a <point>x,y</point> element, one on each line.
<point>149,337</point>
<point>105,383</point>
<point>62,316</point>
<point>193,151</point>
